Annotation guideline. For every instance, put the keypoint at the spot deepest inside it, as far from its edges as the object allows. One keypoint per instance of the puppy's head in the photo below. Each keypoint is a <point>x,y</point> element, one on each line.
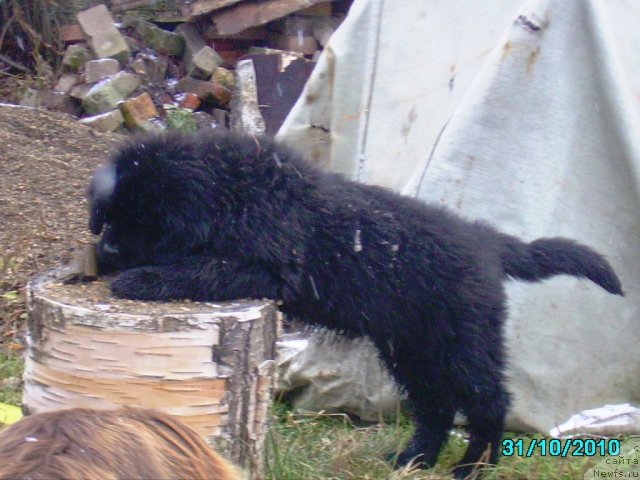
<point>153,202</point>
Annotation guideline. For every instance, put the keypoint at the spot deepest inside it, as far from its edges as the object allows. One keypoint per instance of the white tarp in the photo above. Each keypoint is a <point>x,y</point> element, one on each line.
<point>522,113</point>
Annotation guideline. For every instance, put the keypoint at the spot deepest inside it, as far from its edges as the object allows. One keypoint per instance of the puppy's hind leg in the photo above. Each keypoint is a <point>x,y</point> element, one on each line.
<point>485,414</point>
<point>433,417</point>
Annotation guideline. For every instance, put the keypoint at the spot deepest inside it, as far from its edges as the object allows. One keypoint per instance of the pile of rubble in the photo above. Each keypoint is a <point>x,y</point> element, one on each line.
<point>231,63</point>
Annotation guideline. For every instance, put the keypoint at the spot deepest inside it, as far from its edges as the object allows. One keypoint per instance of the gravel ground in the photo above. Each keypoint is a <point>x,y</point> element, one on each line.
<point>46,160</point>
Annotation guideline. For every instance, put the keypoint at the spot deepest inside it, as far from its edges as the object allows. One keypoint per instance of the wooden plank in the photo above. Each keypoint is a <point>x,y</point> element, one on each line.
<point>258,12</point>
<point>120,5</point>
<point>280,78</point>
<point>200,7</point>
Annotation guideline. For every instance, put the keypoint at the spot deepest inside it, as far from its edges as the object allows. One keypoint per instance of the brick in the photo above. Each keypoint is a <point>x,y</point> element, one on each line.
<point>200,59</point>
<point>66,82</point>
<point>107,94</point>
<point>138,110</point>
<point>75,57</point>
<point>163,41</point>
<point>79,91</point>
<point>156,68</point>
<point>95,70</point>
<point>71,34</point>
<point>58,102</point>
<point>103,37</point>
<point>206,91</point>
<point>230,57</point>
<point>138,66</point>
<point>190,101</point>
<point>105,122</point>
<point>224,77</point>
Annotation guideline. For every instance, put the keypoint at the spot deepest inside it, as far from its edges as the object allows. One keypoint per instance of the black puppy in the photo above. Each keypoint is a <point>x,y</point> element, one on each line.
<point>223,216</point>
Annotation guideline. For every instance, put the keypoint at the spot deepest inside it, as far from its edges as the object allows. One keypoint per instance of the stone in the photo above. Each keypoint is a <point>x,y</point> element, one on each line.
<point>105,122</point>
<point>206,91</point>
<point>66,82</point>
<point>95,70</point>
<point>157,38</point>
<point>75,57</point>
<point>107,94</point>
<point>104,38</point>
<point>138,110</point>
<point>200,59</point>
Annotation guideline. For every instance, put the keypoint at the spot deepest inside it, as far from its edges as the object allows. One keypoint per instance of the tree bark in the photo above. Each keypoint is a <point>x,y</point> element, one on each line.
<point>212,365</point>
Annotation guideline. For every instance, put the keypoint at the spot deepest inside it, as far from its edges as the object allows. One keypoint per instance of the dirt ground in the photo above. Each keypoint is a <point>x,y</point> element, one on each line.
<point>46,160</point>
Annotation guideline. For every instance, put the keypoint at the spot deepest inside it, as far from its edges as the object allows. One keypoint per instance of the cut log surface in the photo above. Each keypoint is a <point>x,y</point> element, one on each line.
<point>211,364</point>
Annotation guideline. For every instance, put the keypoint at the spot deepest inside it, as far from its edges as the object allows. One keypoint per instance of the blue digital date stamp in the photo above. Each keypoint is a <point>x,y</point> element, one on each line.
<point>556,447</point>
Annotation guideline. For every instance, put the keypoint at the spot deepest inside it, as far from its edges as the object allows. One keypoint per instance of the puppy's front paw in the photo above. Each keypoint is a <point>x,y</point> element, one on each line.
<point>145,283</point>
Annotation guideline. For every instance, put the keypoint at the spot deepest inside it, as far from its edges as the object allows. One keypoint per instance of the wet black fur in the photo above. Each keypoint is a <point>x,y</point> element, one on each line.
<point>220,216</point>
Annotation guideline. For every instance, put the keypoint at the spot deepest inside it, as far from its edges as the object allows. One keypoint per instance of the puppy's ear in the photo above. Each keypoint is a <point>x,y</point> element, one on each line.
<point>100,192</point>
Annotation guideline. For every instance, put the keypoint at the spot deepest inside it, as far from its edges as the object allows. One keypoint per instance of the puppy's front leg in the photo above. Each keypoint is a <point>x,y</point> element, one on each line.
<point>199,278</point>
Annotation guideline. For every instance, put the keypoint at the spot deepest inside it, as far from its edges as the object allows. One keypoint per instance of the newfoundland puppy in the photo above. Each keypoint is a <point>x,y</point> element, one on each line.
<point>223,216</point>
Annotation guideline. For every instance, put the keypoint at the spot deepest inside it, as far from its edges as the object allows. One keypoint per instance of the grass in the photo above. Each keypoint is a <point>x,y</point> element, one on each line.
<point>331,447</point>
<point>11,366</point>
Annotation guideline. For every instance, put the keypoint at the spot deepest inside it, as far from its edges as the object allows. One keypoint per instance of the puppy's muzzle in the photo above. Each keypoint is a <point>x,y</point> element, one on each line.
<point>108,257</point>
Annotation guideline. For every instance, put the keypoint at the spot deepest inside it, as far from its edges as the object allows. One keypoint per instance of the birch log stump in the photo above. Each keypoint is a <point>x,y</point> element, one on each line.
<point>210,364</point>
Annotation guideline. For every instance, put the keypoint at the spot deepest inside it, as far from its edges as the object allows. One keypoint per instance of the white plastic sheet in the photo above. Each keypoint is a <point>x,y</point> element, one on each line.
<point>522,113</point>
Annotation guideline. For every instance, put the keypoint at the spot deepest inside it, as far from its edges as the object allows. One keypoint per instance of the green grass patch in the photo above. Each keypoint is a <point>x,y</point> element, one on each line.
<point>11,368</point>
<point>332,447</point>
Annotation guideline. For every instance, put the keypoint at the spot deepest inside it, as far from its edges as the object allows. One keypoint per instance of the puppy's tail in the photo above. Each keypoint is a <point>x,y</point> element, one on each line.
<point>546,257</point>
